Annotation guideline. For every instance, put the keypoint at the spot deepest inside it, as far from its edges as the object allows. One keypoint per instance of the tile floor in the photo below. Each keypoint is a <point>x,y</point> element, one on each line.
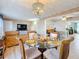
<point>74,48</point>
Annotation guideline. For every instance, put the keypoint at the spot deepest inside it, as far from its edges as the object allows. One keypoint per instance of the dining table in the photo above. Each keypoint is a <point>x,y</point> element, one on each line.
<point>43,45</point>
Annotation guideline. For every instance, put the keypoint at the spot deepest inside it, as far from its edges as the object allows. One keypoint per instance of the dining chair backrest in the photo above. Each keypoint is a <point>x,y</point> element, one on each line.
<point>23,54</point>
<point>31,34</point>
<point>11,38</point>
<point>11,33</point>
<point>54,36</point>
<point>10,41</point>
<point>64,50</point>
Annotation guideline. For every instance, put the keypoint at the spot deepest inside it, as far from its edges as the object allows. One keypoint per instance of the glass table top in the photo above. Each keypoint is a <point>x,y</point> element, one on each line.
<point>42,44</point>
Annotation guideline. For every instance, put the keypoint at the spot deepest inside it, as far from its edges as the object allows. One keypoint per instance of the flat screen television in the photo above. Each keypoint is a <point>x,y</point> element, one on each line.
<point>21,27</point>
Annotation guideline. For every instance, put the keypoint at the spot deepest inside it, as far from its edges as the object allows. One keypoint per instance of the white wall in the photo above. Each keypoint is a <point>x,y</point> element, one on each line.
<point>39,26</point>
<point>59,25</point>
<point>12,25</point>
<point>8,25</point>
<point>33,26</point>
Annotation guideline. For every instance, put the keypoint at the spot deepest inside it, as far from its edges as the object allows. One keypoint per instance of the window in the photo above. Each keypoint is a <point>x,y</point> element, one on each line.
<point>1,27</point>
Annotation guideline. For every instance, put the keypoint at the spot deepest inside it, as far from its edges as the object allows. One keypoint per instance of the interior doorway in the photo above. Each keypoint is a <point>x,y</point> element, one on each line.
<point>75,26</point>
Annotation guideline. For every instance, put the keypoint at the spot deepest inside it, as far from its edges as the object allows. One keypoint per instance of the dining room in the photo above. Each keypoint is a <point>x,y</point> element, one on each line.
<point>39,29</point>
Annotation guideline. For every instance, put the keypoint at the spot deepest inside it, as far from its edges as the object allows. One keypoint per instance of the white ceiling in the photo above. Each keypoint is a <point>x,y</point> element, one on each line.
<point>22,9</point>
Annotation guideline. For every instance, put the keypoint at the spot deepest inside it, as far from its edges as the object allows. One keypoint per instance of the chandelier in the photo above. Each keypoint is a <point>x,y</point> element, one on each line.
<point>38,8</point>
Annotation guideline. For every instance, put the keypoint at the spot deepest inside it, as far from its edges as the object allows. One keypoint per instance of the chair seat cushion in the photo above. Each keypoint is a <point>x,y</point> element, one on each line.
<point>12,53</point>
<point>32,53</point>
<point>51,54</point>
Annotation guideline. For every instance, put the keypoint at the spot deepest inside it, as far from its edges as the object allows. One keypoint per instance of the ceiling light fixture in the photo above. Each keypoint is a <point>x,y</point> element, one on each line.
<point>64,18</point>
<point>38,8</point>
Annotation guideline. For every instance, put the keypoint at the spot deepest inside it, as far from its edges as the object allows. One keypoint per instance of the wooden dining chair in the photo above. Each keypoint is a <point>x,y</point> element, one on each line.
<point>11,48</point>
<point>31,53</point>
<point>62,52</point>
<point>23,54</point>
<point>11,45</point>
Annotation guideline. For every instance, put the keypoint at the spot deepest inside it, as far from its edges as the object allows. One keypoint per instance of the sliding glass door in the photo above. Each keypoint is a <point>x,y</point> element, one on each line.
<point>78,27</point>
